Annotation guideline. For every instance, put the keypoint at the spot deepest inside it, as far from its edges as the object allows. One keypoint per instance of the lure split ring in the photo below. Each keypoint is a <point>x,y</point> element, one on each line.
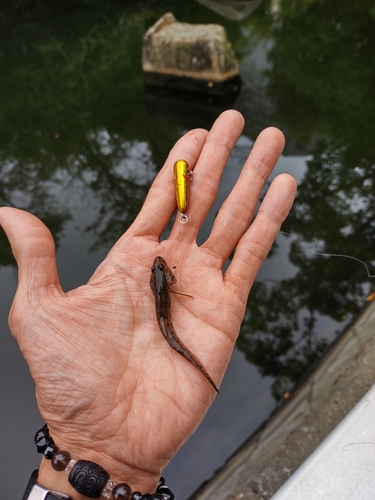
<point>182,178</point>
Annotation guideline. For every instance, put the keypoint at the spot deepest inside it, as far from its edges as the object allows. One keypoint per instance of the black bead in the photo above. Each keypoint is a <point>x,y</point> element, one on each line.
<point>49,451</point>
<point>42,439</point>
<point>148,496</point>
<point>88,478</point>
<point>137,495</point>
<point>166,493</point>
<point>41,433</point>
<point>157,496</point>
<point>161,483</point>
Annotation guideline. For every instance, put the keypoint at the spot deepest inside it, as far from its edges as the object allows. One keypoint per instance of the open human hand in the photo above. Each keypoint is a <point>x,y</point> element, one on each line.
<point>107,383</point>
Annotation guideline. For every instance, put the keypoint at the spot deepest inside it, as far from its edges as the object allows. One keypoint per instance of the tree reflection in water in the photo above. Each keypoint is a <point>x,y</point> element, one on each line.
<point>320,80</point>
<point>73,110</point>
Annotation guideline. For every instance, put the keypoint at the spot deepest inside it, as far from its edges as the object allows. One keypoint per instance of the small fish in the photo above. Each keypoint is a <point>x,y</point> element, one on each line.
<point>182,178</point>
<point>162,278</point>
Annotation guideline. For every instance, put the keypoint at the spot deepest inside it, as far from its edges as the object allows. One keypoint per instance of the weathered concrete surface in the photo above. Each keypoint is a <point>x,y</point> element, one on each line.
<point>236,10</point>
<point>195,51</point>
<point>272,454</point>
<point>342,467</point>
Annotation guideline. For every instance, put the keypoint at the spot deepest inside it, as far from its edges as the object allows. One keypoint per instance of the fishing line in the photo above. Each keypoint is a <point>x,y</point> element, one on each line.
<point>331,254</point>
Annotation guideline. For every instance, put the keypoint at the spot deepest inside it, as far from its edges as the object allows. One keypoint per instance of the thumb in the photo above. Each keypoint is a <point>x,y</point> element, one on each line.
<point>33,248</point>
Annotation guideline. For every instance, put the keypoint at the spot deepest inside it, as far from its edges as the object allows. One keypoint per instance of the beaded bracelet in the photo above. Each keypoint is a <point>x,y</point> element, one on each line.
<point>89,478</point>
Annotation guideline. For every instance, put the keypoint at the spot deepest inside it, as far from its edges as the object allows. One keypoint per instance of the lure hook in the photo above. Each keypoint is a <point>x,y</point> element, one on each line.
<point>184,219</point>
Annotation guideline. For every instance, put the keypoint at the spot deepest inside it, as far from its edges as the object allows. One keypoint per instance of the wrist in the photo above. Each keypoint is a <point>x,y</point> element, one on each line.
<point>119,465</point>
<point>35,491</point>
<point>58,481</point>
<point>86,478</point>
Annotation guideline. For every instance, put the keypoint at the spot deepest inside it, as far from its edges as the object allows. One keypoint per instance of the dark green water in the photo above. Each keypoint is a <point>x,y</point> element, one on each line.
<point>81,141</point>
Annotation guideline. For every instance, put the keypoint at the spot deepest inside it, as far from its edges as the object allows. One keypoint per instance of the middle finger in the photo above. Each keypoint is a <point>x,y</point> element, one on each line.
<point>208,171</point>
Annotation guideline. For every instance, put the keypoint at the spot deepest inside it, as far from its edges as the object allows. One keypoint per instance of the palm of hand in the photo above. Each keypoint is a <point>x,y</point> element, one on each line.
<point>115,371</point>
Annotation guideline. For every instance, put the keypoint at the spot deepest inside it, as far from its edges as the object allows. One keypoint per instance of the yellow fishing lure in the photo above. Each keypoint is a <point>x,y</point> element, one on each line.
<point>182,178</point>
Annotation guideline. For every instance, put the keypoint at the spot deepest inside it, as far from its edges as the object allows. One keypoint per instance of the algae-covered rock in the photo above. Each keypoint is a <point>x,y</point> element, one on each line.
<point>194,51</point>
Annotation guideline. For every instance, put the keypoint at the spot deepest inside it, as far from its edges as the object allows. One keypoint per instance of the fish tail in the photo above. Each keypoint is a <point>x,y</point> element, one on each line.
<point>189,356</point>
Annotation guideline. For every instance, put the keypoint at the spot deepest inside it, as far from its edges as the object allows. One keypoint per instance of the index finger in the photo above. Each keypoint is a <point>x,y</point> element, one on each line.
<point>160,202</point>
